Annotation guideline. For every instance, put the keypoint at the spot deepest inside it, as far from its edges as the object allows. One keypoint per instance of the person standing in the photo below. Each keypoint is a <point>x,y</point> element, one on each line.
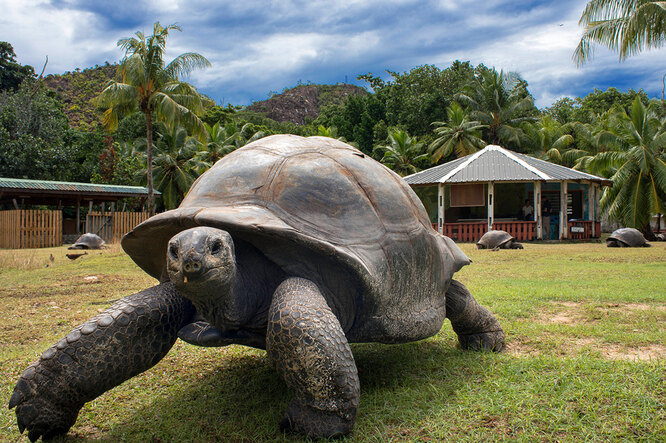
<point>546,211</point>
<point>528,211</point>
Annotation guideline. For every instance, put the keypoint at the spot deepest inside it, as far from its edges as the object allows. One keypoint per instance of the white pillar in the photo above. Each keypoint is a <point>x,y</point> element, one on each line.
<point>590,204</point>
<point>440,208</point>
<point>491,205</point>
<point>537,210</point>
<point>563,210</point>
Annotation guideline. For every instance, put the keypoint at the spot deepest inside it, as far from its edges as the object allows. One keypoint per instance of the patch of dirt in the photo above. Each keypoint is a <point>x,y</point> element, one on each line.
<point>520,349</point>
<point>642,353</point>
<point>563,316</point>
<point>651,352</point>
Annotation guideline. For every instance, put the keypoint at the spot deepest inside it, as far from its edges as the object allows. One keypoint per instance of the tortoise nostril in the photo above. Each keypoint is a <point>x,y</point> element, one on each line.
<point>191,266</point>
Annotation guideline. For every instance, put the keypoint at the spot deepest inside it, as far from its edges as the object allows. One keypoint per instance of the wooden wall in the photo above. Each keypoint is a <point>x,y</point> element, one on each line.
<point>30,228</point>
<point>111,226</point>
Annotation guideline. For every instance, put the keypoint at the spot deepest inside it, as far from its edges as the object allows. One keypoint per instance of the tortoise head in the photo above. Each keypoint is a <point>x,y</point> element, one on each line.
<point>201,264</point>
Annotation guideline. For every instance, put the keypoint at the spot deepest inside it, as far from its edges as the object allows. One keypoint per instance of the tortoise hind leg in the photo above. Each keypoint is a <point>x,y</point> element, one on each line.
<point>476,327</point>
<point>126,339</point>
<point>309,349</point>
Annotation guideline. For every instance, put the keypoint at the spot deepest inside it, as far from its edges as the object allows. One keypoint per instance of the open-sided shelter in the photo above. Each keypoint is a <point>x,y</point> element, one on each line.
<point>22,225</point>
<point>487,190</point>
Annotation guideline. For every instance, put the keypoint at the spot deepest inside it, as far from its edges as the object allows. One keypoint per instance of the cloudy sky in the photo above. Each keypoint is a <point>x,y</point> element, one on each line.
<point>258,47</point>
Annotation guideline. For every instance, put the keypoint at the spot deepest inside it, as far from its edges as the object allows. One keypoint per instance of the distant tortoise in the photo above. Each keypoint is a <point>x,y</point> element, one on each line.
<point>497,240</point>
<point>626,238</point>
<point>294,245</point>
<point>88,241</point>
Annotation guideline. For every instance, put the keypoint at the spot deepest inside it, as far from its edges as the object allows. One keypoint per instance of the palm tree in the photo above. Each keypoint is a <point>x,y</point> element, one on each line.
<point>499,102</point>
<point>549,139</point>
<point>625,26</point>
<point>460,135</point>
<point>153,88</point>
<point>221,140</point>
<point>636,162</point>
<point>175,163</point>
<point>403,153</point>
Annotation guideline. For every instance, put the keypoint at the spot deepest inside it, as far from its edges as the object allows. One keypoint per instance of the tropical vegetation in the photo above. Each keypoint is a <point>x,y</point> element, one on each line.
<point>152,87</point>
<point>410,121</point>
<point>624,26</point>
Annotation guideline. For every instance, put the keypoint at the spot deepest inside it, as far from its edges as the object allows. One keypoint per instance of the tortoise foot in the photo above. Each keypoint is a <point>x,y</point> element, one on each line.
<point>315,423</point>
<point>38,409</point>
<point>485,341</point>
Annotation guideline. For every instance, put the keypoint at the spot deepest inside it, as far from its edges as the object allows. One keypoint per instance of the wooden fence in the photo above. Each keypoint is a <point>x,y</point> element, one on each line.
<point>30,228</point>
<point>111,226</point>
<point>521,230</point>
<point>123,222</point>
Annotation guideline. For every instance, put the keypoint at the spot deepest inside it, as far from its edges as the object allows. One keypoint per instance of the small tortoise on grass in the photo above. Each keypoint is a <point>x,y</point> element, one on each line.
<point>627,238</point>
<point>294,245</point>
<point>497,240</point>
<point>88,241</point>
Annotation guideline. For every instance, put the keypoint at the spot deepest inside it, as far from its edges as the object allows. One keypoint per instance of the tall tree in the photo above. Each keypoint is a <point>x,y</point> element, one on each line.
<point>12,73</point>
<point>548,139</point>
<point>459,134</point>
<point>636,160</point>
<point>155,89</point>
<point>500,102</point>
<point>403,154</point>
<point>625,26</point>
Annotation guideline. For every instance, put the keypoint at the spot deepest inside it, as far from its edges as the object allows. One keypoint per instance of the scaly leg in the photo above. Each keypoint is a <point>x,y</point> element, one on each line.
<point>476,327</point>
<point>121,342</point>
<point>310,351</point>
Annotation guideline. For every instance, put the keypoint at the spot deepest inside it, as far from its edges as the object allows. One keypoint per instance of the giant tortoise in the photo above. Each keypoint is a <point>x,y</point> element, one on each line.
<point>294,245</point>
<point>627,238</point>
<point>496,240</point>
<point>88,241</point>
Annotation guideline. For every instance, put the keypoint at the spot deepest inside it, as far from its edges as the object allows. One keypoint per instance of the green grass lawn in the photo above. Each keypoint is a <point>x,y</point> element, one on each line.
<point>585,358</point>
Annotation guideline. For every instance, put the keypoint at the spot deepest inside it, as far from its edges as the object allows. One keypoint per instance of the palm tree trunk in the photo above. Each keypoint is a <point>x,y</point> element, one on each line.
<point>149,161</point>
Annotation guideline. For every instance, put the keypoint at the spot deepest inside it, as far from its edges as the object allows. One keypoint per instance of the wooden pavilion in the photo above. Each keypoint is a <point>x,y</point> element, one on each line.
<point>24,223</point>
<point>487,190</point>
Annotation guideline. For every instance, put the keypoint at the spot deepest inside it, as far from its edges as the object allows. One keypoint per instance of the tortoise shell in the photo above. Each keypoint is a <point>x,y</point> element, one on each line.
<point>321,210</point>
<point>494,239</point>
<point>629,237</point>
<point>88,241</point>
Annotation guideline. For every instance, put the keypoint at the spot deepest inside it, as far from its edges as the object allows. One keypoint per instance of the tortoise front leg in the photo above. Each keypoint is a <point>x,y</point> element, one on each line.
<point>310,351</point>
<point>476,327</point>
<point>121,342</point>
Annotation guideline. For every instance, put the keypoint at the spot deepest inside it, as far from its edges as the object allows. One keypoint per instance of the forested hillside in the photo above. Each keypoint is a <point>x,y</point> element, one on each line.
<point>77,91</point>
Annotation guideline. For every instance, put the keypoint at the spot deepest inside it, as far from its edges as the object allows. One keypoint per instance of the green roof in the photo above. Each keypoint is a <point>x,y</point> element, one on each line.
<point>47,186</point>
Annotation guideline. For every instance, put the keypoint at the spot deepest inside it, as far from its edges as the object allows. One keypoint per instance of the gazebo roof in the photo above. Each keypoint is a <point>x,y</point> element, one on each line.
<point>496,164</point>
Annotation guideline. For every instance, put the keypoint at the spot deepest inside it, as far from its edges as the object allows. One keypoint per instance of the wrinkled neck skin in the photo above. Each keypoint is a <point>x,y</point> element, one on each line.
<point>233,290</point>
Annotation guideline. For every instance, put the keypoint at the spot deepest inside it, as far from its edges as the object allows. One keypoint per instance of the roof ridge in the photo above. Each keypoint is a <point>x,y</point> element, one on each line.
<point>518,160</point>
<point>462,165</point>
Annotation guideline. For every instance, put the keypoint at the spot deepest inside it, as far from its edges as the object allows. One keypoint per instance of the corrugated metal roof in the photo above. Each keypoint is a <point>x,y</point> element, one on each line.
<point>496,164</point>
<point>70,187</point>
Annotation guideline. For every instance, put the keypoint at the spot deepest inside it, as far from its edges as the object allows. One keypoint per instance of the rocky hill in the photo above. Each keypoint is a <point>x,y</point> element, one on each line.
<point>303,101</point>
<point>77,91</point>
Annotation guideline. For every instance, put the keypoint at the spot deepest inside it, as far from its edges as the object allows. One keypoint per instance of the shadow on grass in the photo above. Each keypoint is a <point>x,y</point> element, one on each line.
<point>243,399</point>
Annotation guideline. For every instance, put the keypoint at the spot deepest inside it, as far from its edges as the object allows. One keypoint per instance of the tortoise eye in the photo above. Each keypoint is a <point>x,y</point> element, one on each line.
<point>216,248</point>
<point>173,250</point>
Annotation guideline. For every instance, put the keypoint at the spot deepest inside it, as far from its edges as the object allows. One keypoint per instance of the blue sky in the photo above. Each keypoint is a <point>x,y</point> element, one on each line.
<point>258,47</point>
